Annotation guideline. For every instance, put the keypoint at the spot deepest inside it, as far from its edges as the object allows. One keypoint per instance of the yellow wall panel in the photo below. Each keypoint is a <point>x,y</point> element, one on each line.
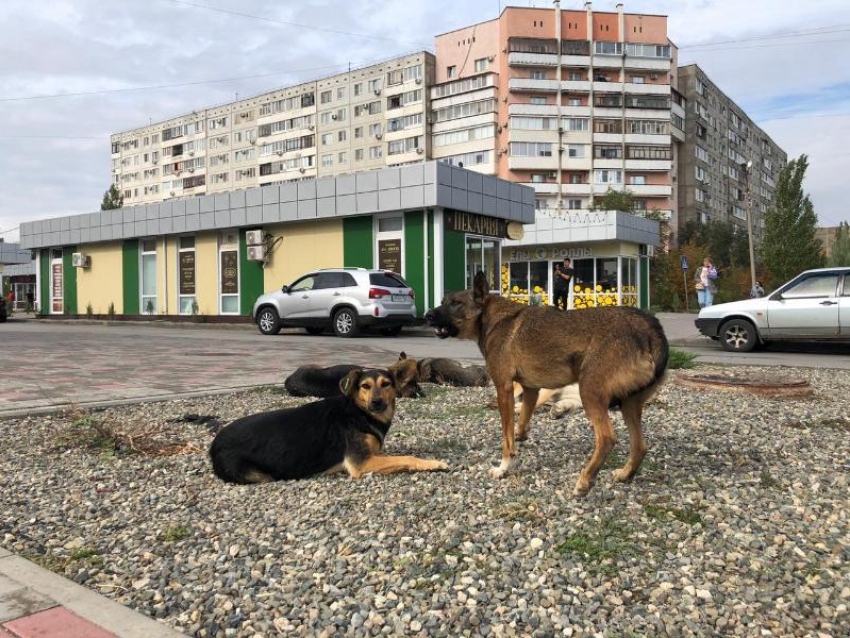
<point>305,246</point>
<point>206,273</point>
<point>171,275</point>
<point>101,285</point>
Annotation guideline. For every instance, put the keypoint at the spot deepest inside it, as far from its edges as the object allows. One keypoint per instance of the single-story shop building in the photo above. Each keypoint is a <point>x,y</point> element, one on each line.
<point>608,251</point>
<point>17,274</point>
<point>212,256</point>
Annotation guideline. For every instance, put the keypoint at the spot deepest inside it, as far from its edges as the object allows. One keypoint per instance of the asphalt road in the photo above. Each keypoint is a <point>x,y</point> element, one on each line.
<point>46,364</point>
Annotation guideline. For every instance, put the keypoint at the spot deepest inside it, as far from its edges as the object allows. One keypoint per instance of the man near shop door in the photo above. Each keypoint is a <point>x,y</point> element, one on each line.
<point>563,277</point>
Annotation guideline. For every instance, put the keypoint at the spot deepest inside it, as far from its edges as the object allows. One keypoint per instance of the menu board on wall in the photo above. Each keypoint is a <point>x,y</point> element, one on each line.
<point>187,273</point>
<point>389,255</point>
<point>229,272</point>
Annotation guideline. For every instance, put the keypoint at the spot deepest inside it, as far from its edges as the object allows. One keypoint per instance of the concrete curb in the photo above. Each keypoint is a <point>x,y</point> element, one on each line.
<point>113,403</point>
<point>106,613</point>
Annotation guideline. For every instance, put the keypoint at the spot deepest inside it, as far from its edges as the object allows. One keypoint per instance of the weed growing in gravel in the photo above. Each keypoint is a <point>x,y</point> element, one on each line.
<point>523,510</point>
<point>175,533</point>
<point>601,543</point>
<point>88,433</point>
<point>767,481</point>
<point>688,515</point>
<point>680,360</point>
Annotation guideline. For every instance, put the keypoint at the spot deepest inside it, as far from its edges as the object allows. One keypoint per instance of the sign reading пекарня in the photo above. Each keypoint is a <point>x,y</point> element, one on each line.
<point>482,225</point>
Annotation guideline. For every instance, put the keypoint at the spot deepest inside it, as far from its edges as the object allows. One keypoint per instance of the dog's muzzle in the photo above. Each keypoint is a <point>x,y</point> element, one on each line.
<point>378,406</point>
<point>430,317</point>
<point>441,331</point>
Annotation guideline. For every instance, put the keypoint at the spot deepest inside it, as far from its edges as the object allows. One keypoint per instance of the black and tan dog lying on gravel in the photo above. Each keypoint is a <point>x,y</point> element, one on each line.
<point>315,381</point>
<point>441,371</point>
<point>618,356</point>
<point>344,433</point>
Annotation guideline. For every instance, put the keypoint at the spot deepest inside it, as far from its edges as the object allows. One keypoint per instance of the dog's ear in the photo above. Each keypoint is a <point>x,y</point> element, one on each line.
<point>402,355</point>
<point>348,384</point>
<point>480,287</point>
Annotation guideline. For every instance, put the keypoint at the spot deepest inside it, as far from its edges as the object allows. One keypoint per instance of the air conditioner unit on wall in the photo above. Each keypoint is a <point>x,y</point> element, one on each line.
<point>79,260</point>
<point>254,237</point>
<point>256,253</point>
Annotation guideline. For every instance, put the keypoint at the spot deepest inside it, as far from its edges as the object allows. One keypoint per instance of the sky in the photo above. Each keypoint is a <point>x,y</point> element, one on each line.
<point>56,161</point>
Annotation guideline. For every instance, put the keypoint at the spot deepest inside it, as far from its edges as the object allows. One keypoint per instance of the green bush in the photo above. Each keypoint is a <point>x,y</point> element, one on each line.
<point>680,360</point>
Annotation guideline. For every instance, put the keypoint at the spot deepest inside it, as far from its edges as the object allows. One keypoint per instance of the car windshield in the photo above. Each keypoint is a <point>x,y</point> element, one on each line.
<point>387,279</point>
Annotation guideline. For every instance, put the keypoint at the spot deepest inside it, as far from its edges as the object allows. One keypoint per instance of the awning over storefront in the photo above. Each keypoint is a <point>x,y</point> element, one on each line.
<point>590,227</point>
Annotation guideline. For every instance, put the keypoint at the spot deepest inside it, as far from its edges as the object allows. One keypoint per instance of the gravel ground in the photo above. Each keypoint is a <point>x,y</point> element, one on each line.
<point>737,524</point>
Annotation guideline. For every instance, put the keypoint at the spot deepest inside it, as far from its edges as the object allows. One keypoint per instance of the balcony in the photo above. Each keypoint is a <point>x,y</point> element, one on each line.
<point>648,165</point>
<point>606,163</point>
<point>546,59</point>
<point>548,110</point>
<point>551,188</point>
<point>647,140</point>
<point>647,89</point>
<point>650,190</point>
<point>547,86</point>
<point>548,163</point>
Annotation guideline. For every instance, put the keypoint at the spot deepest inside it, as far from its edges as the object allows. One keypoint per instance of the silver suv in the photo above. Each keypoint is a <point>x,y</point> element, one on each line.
<point>345,299</point>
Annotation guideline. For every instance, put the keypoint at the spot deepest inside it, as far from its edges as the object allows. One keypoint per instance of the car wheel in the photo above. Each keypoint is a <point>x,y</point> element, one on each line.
<point>738,335</point>
<point>392,332</point>
<point>314,330</point>
<point>268,321</point>
<point>345,323</point>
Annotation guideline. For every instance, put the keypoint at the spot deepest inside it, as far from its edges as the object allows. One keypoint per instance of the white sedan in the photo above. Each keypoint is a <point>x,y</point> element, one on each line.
<point>815,305</point>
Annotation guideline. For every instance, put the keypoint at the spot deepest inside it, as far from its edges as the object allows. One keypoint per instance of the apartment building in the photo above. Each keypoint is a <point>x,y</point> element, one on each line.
<point>573,103</point>
<point>367,118</point>
<point>720,142</point>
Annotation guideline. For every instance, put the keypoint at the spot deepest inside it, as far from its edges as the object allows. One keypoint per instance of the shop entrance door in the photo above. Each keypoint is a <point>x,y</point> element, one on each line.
<point>57,284</point>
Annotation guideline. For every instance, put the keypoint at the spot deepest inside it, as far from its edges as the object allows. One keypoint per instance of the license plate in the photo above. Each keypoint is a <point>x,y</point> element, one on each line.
<point>401,298</point>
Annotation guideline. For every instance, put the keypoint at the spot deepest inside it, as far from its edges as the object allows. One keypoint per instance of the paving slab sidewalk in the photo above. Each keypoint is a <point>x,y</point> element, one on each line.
<point>36,603</point>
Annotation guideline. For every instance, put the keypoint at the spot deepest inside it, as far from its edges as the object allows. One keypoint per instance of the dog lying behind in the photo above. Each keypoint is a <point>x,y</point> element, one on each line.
<point>341,433</point>
<point>449,372</point>
<point>314,381</point>
<point>564,400</point>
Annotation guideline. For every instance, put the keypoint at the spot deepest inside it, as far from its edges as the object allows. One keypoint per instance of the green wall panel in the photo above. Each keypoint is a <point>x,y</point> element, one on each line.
<point>357,242</point>
<point>130,277</point>
<point>432,262</point>
<point>69,281</point>
<point>414,255</point>
<point>454,261</point>
<point>250,277</point>
<point>44,264</point>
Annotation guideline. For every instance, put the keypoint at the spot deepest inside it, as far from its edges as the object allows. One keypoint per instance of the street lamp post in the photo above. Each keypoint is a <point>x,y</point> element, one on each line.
<point>748,170</point>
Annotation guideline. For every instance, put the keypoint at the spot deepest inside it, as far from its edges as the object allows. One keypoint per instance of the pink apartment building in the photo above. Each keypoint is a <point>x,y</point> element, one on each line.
<point>573,103</point>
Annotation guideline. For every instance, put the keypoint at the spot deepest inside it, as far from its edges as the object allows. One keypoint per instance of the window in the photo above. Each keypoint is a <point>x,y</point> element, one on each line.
<point>700,195</point>
<point>358,155</point>
<point>637,180</point>
<point>342,158</point>
<point>700,87</point>
<point>390,224</point>
<point>531,149</point>
<point>703,155</point>
<point>608,48</point>
<point>376,152</point>
<point>375,129</point>
<point>394,77</point>
<point>402,123</point>
<point>462,86</point>
<point>358,132</point>
<point>372,108</point>
<point>575,76</point>
<point>327,160</point>
<point>820,285</point>
<point>327,139</point>
<point>326,96</point>
<point>575,150</point>
<point>574,204</point>
<point>358,89</point>
<point>646,50</point>
<point>482,254</point>
<point>407,145</point>
<point>575,124</point>
<point>607,152</point>
<point>647,127</point>
<point>340,93</point>
<point>538,75</point>
<point>533,123</point>
<point>467,109</point>
<point>148,276</point>
<point>228,262</point>
<point>537,100</point>
<point>638,79</point>
<point>342,135</point>
<point>375,84</point>
<point>700,174</point>
<point>186,275</point>
<point>411,73</point>
<point>481,65</point>
<point>733,173</point>
<point>649,152</point>
<point>538,178</point>
<point>608,177</point>
<point>608,126</point>
<point>468,159</point>
<point>451,72</point>
<point>464,135</point>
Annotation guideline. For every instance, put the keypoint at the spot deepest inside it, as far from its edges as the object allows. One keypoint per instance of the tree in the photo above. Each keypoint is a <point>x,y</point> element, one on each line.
<point>726,245</point>
<point>789,245</point>
<point>614,200</point>
<point>112,199</point>
<point>841,247</point>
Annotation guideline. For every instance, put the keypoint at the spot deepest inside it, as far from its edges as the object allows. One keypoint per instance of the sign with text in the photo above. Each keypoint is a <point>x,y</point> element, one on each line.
<point>229,272</point>
<point>389,255</point>
<point>475,224</point>
<point>684,262</point>
<point>187,273</point>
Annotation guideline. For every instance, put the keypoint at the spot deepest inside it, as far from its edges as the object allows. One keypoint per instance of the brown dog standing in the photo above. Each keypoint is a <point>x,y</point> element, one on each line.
<point>617,356</point>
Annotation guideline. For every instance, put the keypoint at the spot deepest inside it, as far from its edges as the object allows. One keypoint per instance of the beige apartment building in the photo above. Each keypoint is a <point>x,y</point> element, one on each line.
<point>368,118</point>
<point>725,155</point>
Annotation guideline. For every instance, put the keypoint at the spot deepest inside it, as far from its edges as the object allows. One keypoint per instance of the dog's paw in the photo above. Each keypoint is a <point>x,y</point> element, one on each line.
<point>582,488</point>
<point>501,470</point>
<point>621,476</point>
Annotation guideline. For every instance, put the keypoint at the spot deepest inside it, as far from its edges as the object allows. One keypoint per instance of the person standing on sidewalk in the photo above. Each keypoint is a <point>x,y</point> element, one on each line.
<point>561,284</point>
<point>705,281</point>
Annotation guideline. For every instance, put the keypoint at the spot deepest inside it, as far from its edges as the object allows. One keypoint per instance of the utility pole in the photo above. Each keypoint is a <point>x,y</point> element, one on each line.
<point>748,167</point>
<point>558,100</point>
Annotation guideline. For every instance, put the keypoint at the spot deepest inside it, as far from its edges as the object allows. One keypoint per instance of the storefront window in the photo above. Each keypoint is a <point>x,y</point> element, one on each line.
<point>526,282</point>
<point>186,275</point>
<point>606,282</point>
<point>628,292</point>
<point>482,254</point>
<point>228,261</point>
<point>148,273</point>
<point>57,304</point>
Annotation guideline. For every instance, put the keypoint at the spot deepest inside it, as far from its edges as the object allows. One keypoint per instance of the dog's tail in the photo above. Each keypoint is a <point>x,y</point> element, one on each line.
<point>653,343</point>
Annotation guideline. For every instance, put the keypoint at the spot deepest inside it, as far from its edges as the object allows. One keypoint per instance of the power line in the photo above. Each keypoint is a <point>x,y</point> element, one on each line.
<point>801,116</point>
<point>292,24</point>
<point>11,230</point>
<point>782,34</point>
<point>162,86</point>
<point>763,46</point>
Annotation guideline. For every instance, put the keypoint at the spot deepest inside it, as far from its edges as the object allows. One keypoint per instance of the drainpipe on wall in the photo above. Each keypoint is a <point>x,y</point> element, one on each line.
<point>560,200</point>
<point>588,7</point>
<point>621,25</point>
